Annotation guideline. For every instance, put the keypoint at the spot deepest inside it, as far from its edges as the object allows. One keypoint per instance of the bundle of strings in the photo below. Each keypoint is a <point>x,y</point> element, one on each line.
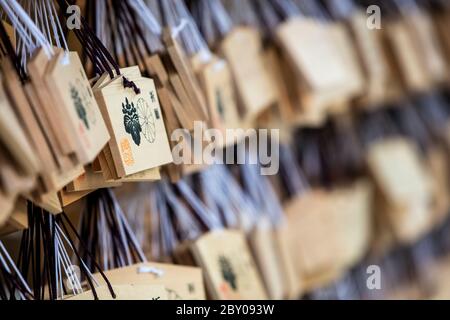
<point>13,285</point>
<point>36,26</point>
<point>107,235</point>
<point>48,256</point>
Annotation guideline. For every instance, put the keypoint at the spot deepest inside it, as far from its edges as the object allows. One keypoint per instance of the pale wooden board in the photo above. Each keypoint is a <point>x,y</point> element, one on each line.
<point>230,248</point>
<point>219,91</point>
<point>181,282</point>
<point>54,115</point>
<point>35,133</point>
<point>404,184</point>
<point>13,136</point>
<point>125,292</point>
<point>372,58</point>
<point>426,41</point>
<point>411,66</point>
<point>268,259</point>
<point>64,80</point>
<point>311,236</point>
<point>128,156</point>
<point>184,70</point>
<point>315,61</point>
<point>243,50</point>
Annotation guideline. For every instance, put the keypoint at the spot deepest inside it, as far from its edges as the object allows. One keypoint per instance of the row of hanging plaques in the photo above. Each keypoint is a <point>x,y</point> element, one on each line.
<point>116,130</point>
<point>268,254</point>
<point>64,136</point>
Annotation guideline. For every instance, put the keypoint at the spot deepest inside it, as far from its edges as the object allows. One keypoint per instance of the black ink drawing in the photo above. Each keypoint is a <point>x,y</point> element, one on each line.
<point>146,120</point>
<point>228,273</point>
<point>131,121</point>
<point>79,106</point>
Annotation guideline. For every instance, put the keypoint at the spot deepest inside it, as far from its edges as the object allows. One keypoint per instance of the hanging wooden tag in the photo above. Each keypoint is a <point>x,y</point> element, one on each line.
<point>52,113</point>
<point>35,134</point>
<point>426,42</point>
<point>292,284</point>
<point>395,162</point>
<point>68,84</point>
<point>352,221</point>
<point>312,238</point>
<point>405,185</point>
<point>53,179</point>
<point>125,292</point>
<point>14,138</point>
<point>317,62</point>
<point>320,67</point>
<point>64,162</point>
<point>138,135</point>
<point>180,282</point>
<point>217,84</point>
<point>413,73</point>
<point>263,245</point>
<point>187,76</point>
<point>242,49</point>
<point>355,81</point>
<point>156,70</point>
<point>287,108</point>
<point>19,101</point>
<point>176,114</point>
<point>230,272</point>
<point>372,57</point>
<point>184,108</point>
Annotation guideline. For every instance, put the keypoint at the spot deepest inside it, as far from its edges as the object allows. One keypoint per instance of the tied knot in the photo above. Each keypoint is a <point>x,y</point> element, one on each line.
<point>130,84</point>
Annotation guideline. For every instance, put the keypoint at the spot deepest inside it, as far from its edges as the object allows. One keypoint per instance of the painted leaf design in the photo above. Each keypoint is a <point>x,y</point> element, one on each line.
<point>81,110</point>
<point>131,121</point>
<point>228,273</point>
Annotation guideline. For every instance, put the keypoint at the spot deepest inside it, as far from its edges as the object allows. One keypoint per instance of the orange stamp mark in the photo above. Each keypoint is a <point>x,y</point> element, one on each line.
<point>228,293</point>
<point>127,153</point>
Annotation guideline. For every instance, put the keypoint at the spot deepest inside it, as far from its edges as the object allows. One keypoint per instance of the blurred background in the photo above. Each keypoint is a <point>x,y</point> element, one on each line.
<point>358,93</point>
